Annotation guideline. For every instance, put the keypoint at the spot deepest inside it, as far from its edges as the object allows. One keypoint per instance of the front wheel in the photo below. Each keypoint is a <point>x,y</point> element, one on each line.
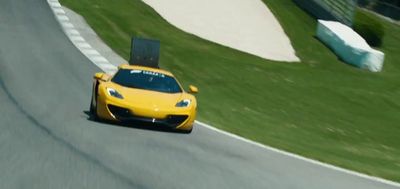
<point>186,131</point>
<point>93,108</point>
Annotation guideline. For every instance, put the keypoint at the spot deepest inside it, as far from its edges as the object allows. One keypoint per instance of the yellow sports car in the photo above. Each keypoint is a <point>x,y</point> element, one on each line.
<point>140,95</point>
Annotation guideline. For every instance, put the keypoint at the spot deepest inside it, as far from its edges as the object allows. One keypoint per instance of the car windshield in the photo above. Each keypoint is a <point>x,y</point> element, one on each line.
<point>147,80</point>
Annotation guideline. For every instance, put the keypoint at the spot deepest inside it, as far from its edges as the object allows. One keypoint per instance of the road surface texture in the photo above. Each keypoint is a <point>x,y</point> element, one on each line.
<point>47,140</point>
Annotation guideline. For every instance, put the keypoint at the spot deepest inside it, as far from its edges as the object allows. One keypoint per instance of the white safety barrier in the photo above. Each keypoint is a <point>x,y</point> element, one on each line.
<point>349,46</point>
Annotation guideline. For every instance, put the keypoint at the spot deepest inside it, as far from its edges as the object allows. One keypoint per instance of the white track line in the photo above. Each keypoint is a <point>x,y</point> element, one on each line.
<point>92,54</point>
<point>106,66</point>
<point>377,179</point>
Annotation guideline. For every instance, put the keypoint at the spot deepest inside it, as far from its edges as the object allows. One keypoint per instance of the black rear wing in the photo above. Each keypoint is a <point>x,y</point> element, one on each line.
<point>145,52</point>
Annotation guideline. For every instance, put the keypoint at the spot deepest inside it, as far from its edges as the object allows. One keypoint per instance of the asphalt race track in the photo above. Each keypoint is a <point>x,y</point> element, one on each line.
<point>47,140</point>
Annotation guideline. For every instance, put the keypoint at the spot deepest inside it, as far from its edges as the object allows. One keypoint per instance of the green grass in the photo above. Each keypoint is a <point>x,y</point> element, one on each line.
<point>320,108</point>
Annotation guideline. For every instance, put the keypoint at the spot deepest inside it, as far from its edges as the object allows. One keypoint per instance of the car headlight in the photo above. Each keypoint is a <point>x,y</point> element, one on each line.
<point>183,103</point>
<point>114,93</point>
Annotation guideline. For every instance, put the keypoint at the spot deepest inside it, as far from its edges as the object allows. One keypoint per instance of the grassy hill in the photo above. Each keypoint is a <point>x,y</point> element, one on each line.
<point>320,108</point>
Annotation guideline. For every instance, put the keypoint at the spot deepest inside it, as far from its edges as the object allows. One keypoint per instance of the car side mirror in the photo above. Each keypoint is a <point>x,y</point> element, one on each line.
<point>99,76</point>
<point>193,89</point>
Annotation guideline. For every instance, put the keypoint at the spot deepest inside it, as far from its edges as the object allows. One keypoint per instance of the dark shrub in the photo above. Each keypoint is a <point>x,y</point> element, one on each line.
<point>369,27</point>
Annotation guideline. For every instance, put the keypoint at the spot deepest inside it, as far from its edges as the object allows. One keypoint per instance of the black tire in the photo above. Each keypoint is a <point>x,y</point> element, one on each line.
<point>93,105</point>
<point>186,131</point>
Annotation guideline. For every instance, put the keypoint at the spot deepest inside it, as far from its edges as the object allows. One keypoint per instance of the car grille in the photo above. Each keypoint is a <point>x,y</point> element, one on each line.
<point>126,115</point>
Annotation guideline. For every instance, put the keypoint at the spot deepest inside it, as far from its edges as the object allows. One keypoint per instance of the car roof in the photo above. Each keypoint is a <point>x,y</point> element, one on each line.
<point>132,67</point>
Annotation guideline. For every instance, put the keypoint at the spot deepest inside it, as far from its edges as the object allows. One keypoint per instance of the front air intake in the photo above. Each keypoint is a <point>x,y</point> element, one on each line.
<point>119,112</point>
<point>176,119</point>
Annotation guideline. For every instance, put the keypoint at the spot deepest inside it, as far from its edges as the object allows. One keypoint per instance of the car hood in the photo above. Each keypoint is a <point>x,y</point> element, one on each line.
<point>147,98</point>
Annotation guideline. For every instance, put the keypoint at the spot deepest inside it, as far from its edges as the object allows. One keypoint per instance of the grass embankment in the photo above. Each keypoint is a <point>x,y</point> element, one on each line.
<point>320,108</point>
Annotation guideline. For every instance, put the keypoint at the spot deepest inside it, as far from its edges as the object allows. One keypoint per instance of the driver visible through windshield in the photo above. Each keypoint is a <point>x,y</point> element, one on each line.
<point>147,80</point>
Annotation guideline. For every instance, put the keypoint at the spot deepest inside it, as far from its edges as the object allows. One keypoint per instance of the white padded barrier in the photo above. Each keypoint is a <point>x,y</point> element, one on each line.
<point>349,46</point>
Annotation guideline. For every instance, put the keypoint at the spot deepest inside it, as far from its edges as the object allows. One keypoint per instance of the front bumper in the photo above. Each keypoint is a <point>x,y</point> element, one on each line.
<point>126,115</point>
<point>117,110</point>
